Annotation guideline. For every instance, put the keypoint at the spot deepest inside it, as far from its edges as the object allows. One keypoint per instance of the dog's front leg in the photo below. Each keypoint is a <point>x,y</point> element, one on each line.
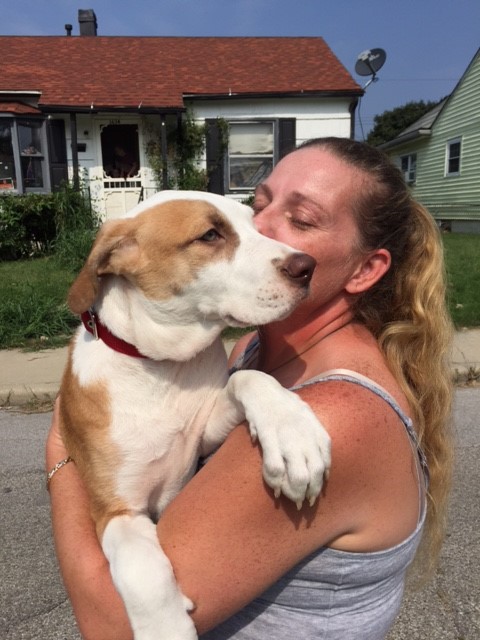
<point>143,576</point>
<point>296,447</point>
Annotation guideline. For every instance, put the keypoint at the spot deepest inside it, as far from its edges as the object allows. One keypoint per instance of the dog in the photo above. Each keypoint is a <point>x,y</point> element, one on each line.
<point>146,390</point>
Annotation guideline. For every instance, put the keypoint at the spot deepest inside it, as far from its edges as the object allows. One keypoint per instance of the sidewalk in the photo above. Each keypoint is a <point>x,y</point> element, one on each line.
<point>35,376</point>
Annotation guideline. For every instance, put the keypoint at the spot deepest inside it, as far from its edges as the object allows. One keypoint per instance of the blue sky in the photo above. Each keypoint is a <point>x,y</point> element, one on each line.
<point>429,43</point>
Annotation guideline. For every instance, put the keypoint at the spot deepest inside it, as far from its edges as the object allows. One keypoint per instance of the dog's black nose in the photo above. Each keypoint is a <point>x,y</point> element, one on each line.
<point>299,268</point>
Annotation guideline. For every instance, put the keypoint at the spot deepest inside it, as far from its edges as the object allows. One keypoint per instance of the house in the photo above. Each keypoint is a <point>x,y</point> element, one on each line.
<point>440,155</point>
<point>89,108</point>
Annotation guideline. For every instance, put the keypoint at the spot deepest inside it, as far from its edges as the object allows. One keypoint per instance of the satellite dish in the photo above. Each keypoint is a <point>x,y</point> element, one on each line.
<point>369,62</point>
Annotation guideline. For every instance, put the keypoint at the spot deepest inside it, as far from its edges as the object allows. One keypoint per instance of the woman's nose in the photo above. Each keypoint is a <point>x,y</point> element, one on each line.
<point>263,223</point>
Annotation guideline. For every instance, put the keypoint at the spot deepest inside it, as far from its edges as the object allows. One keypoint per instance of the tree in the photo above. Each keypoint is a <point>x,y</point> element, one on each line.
<point>390,124</point>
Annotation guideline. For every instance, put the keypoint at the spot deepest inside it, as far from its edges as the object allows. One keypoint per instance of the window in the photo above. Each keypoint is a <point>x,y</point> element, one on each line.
<point>23,165</point>
<point>250,154</point>
<point>254,147</point>
<point>454,148</point>
<point>8,178</point>
<point>57,151</point>
<point>409,167</point>
<point>31,146</point>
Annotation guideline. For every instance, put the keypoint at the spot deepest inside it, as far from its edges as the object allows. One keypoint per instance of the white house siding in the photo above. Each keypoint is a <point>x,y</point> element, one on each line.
<point>87,159</point>
<point>315,117</point>
<point>452,197</point>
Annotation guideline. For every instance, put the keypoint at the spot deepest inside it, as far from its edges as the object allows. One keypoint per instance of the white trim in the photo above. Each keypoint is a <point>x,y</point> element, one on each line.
<point>452,141</point>
<point>410,173</point>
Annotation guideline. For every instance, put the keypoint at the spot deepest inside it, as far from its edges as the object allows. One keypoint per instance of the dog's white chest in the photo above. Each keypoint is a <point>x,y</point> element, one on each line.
<point>157,416</point>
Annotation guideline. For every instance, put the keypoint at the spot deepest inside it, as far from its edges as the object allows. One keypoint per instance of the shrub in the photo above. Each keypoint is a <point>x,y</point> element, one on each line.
<point>76,225</point>
<point>37,225</point>
<point>27,225</point>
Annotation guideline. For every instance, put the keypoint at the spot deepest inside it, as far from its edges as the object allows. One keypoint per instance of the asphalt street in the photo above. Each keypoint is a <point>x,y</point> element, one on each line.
<point>33,604</point>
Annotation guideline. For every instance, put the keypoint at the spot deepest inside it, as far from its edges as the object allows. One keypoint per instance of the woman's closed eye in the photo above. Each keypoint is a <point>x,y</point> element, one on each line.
<point>301,220</point>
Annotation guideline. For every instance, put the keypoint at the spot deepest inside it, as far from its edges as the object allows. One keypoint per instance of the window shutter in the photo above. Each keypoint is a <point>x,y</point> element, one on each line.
<point>57,149</point>
<point>286,136</point>
<point>215,162</point>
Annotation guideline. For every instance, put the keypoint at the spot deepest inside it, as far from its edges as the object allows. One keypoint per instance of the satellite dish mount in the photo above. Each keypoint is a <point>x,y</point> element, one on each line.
<point>369,62</point>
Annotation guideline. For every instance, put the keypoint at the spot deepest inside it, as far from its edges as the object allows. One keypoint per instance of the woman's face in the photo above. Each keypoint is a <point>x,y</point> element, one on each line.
<point>306,202</point>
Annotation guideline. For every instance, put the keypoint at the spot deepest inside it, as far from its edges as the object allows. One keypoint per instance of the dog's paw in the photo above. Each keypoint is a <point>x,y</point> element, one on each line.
<point>296,451</point>
<point>296,447</point>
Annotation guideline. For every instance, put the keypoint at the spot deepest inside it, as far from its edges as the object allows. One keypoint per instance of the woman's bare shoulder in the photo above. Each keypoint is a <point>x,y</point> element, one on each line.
<point>372,474</point>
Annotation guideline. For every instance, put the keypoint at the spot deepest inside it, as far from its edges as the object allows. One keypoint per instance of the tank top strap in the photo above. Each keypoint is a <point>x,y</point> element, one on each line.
<point>346,375</point>
<point>245,358</point>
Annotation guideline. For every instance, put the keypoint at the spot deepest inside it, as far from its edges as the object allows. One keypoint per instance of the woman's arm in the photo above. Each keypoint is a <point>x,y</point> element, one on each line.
<point>227,537</point>
<point>221,521</point>
<point>98,608</point>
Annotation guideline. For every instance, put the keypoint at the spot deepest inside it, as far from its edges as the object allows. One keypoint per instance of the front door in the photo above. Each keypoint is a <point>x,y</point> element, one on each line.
<point>121,172</point>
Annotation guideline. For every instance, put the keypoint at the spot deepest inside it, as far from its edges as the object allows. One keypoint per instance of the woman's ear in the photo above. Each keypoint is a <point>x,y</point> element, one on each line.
<point>370,270</point>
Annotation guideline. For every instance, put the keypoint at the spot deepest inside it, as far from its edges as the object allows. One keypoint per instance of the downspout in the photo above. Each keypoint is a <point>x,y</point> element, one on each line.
<point>352,108</point>
<point>74,144</point>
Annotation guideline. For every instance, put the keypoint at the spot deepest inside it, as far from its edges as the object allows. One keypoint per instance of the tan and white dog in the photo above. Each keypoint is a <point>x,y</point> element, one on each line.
<point>148,393</point>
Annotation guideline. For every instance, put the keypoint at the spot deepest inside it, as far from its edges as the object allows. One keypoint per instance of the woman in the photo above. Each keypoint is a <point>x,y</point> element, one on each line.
<point>255,566</point>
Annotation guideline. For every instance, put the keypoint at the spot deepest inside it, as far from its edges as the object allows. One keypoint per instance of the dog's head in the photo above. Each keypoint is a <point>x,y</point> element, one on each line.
<point>190,257</point>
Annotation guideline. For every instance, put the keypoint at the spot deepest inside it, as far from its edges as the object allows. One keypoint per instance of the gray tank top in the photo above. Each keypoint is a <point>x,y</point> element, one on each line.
<point>334,595</point>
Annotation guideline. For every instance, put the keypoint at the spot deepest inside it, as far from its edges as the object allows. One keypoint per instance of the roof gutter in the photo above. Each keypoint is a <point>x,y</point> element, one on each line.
<point>276,94</point>
<point>413,135</point>
<point>109,109</point>
<point>6,92</point>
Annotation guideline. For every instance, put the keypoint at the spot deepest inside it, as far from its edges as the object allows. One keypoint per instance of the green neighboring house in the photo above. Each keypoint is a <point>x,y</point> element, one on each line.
<point>440,155</point>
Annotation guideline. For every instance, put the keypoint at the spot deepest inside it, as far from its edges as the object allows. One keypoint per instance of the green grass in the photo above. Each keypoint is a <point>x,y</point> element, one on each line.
<point>33,312</point>
<point>462,257</point>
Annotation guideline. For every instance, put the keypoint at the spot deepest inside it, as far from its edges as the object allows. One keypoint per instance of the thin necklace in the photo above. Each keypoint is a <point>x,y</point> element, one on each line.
<point>297,355</point>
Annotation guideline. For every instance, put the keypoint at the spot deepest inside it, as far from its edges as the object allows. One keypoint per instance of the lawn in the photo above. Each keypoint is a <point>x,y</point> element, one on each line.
<point>32,303</point>
<point>33,292</point>
<point>462,257</point>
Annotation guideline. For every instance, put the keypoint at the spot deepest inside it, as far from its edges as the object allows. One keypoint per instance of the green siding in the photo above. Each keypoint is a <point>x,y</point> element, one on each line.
<point>451,197</point>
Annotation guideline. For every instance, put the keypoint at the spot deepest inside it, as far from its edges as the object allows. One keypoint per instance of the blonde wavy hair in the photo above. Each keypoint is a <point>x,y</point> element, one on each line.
<point>407,312</point>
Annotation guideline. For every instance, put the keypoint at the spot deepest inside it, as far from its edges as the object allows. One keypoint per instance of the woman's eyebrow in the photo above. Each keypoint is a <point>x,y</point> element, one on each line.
<point>299,198</point>
<point>295,198</point>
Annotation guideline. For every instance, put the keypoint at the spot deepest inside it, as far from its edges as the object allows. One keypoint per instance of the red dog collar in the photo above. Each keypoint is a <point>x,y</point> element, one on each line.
<point>100,332</point>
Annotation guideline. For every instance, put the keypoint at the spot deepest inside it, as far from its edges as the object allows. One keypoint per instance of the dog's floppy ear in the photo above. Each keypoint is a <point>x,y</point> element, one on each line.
<point>113,249</point>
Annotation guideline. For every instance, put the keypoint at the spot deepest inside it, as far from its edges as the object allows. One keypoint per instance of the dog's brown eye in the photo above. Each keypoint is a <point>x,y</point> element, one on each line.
<point>210,236</point>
